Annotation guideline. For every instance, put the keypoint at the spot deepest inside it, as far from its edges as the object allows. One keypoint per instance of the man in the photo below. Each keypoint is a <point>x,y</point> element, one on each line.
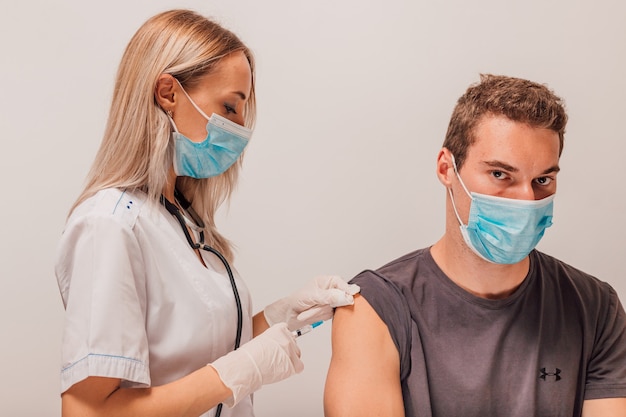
<point>480,323</point>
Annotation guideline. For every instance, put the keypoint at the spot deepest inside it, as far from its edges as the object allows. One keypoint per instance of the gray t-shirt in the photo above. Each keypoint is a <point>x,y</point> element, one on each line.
<point>559,339</point>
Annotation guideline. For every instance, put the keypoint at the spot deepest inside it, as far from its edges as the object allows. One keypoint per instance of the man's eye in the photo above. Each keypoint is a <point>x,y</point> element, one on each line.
<point>543,180</point>
<point>498,174</point>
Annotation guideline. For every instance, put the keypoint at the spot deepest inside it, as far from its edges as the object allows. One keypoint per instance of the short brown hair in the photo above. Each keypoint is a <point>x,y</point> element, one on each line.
<point>517,99</point>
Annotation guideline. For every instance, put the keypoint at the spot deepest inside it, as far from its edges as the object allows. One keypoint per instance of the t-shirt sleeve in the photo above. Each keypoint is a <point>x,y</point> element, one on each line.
<point>389,303</point>
<point>606,371</point>
<point>101,279</point>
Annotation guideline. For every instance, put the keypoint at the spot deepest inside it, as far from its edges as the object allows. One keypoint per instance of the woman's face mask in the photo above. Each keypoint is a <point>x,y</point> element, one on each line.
<point>503,230</point>
<point>224,143</point>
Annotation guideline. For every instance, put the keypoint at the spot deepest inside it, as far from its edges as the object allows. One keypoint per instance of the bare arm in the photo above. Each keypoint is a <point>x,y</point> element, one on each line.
<point>605,407</point>
<point>364,374</point>
<point>259,324</point>
<point>189,396</point>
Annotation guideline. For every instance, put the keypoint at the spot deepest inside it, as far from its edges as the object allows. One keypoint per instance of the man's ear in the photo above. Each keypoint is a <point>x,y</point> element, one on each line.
<point>164,92</point>
<point>445,167</point>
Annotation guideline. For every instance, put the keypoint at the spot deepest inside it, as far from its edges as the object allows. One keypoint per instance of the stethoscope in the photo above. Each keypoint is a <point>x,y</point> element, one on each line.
<point>196,224</point>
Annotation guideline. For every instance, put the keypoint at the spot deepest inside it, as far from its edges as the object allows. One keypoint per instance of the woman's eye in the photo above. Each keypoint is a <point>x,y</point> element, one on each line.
<point>230,109</point>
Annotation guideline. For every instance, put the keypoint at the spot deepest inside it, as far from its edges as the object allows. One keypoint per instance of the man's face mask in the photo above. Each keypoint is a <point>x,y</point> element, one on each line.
<point>222,147</point>
<point>503,230</point>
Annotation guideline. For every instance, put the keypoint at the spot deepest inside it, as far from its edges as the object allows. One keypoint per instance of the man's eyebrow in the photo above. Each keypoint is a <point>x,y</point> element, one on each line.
<point>552,169</point>
<point>506,167</point>
<point>501,165</point>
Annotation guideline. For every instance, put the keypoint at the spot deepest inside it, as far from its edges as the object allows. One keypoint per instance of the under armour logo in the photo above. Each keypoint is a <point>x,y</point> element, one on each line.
<point>545,374</point>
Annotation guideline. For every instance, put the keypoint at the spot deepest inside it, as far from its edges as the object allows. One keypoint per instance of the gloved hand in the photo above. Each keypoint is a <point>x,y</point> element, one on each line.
<point>270,357</point>
<point>312,303</point>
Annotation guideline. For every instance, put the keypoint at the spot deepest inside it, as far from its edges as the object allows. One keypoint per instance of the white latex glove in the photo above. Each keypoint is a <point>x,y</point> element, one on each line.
<point>314,302</point>
<point>270,357</point>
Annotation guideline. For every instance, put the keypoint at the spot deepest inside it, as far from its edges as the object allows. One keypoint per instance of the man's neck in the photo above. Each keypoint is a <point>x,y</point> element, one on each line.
<point>475,275</point>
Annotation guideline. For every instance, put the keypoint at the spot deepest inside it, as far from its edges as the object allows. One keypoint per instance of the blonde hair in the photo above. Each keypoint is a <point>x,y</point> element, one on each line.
<point>136,152</point>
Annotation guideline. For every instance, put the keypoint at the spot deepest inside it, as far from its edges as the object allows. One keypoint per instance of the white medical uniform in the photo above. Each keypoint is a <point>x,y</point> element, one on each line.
<point>139,304</point>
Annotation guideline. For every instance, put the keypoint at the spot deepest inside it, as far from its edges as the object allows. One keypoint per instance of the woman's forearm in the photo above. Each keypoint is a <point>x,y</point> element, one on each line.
<point>189,396</point>
<point>259,324</point>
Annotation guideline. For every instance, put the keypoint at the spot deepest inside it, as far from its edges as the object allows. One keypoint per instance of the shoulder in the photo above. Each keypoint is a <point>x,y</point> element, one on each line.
<point>594,302</point>
<point>386,290</point>
<point>101,227</point>
<point>397,272</point>
<point>406,263</point>
<point>119,206</point>
<point>387,287</point>
<point>363,374</point>
<point>570,279</point>
<point>392,282</point>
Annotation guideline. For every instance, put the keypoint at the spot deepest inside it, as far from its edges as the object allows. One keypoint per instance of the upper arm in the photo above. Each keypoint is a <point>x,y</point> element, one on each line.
<point>88,396</point>
<point>364,373</point>
<point>605,407</point>
<point>101,274</point>
<point>606,371</point>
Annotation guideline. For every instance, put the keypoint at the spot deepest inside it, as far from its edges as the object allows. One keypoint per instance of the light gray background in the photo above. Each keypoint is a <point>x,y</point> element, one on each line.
<point>354,100</point>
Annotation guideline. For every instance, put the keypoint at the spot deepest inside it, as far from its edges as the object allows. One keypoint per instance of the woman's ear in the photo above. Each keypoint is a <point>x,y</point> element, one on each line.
<point>164,92</point>
<point>445,167</point>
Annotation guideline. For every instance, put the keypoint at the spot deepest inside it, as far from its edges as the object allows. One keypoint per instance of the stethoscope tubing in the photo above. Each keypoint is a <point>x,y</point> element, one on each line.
<point>199,227</point>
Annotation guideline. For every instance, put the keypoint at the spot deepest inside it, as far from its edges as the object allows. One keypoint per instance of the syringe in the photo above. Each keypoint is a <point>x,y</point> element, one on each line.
<point>306,329</point>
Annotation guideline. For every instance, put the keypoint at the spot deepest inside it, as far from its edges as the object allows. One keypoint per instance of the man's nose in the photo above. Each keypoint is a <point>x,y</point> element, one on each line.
<point>525,191</point>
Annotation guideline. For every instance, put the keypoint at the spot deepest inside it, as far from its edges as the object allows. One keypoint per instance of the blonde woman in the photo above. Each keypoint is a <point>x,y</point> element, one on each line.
<point>157,322</point>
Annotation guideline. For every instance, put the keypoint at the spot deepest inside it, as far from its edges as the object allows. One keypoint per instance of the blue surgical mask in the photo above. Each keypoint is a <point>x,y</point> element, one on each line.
<point>222,147</point>
<point>503,230</point>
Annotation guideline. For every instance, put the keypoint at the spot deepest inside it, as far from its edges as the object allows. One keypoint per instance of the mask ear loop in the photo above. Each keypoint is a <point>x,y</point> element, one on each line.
<point>170,115</point>
<point>191,101</point>
<point>456,172</point>
<point>454,207</point>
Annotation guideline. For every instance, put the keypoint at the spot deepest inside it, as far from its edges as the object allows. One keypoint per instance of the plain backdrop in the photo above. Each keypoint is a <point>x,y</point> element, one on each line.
<point>354,99</point>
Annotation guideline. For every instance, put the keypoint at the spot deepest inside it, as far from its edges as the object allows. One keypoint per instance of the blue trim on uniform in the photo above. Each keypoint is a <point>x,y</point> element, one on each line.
<point>118,201</point>
<point>104,356</point>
